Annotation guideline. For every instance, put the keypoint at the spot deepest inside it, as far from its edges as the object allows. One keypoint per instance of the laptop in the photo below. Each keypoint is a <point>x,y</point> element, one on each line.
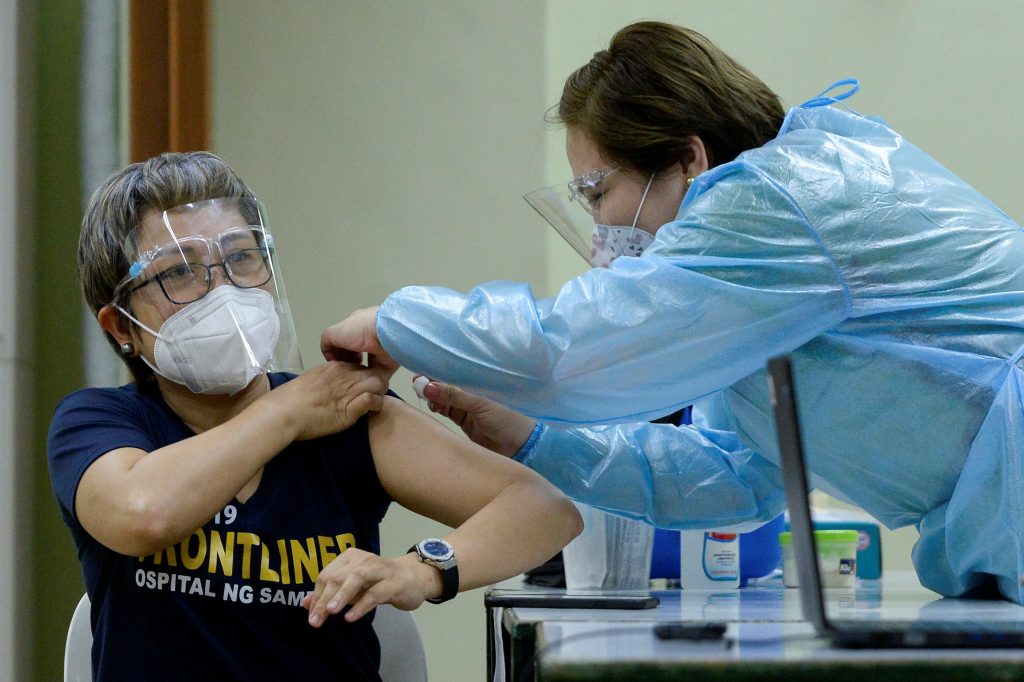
<point>855,633</point>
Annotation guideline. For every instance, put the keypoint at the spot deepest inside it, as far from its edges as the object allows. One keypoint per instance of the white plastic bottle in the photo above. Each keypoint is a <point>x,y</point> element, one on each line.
<point>709,560</point>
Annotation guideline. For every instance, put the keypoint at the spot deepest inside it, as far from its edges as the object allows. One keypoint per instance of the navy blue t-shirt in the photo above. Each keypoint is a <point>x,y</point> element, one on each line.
<point>225,603</point>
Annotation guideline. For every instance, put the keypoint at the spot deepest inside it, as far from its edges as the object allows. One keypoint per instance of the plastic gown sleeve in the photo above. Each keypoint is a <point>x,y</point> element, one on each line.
<point>671,477</point>
<point>739,277</point>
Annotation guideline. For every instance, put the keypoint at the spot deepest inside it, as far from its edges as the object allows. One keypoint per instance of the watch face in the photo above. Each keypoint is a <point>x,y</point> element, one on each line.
<point>436,549</point>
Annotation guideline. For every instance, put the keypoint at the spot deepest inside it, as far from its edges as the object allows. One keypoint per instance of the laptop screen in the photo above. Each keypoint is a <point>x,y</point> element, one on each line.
<point>794,474</point>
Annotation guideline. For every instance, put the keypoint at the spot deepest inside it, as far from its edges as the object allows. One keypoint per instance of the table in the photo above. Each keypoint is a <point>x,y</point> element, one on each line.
<point>766,639</point>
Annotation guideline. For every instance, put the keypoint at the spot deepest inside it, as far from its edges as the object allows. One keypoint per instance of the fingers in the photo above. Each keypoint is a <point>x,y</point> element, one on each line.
<point>347,378</point>
<point>448,396</point>
<point>363,403</point>
<point>382,362</point>
<point>369,378</point>
<point>363,605</point>
<point>362,581</point>
<point>358,390</point>
<point>455,415</point>
<point>332,397</point>
<point>348,580</point>
<point>357,333</point>
<point>341,355</point>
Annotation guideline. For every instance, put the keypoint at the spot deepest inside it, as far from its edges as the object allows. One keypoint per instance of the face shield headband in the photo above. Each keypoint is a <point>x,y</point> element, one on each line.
<point>208,271</point>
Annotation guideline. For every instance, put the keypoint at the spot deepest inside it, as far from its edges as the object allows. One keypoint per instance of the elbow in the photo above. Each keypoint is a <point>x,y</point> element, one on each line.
<point>561,518</point>
<point>150,528</point>
<point>573,520</point>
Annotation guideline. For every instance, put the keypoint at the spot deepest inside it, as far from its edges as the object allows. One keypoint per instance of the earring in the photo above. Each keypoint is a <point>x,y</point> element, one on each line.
<point>689,181</point>
<point>127,350</point>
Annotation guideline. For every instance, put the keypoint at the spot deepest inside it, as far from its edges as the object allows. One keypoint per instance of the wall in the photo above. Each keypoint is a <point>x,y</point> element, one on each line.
<point>391,143</point>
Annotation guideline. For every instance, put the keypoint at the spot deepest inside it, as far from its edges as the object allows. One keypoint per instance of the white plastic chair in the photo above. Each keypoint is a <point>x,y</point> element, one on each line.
<point>78,648</point>
<point>402,658</point>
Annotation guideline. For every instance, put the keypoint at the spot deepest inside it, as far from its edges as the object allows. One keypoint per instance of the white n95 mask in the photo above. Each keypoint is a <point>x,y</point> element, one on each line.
<point>608,242</point>
<point>219,343</point>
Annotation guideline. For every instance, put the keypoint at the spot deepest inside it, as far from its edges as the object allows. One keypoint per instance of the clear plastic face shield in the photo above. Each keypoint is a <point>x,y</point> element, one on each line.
<point>204,281</point>
<point>593,229</point>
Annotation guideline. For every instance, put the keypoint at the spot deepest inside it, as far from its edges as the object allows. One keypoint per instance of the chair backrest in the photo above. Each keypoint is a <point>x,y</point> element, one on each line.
<point>402,658</point>
<point>78,648</point>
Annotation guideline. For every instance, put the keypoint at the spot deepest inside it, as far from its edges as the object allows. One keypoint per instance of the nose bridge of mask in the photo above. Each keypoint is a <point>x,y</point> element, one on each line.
<point>194,312</point>
<point>227,296</point>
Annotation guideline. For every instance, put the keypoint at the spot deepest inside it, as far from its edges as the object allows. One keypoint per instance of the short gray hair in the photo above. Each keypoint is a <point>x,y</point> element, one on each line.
<point>117,206</point>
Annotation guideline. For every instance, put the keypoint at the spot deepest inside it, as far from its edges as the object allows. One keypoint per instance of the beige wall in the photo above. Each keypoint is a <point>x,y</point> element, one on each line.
<point>392,142</point>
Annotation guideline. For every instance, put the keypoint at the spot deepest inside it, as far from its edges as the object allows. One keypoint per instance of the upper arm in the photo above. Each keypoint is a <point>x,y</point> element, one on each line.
<point>95,437</point>
<point>434,472</point>
<point>104,503</point>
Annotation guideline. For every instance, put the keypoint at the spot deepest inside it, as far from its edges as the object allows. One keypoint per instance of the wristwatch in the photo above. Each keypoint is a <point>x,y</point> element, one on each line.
<point>441,555</point>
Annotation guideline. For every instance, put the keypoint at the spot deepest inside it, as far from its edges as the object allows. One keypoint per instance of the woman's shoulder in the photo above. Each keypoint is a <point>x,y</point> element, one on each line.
<point>99,397</point>
<point>89,410</point>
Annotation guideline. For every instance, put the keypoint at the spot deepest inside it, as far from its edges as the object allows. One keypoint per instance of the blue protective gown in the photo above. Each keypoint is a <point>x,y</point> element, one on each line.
<point>898,289</point>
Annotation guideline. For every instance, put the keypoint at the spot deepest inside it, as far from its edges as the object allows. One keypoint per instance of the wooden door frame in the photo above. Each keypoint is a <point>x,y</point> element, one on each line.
<point>168,75</point>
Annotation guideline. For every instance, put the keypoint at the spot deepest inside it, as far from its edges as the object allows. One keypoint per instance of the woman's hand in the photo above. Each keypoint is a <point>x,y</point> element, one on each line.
<point>353,336</point>
<point>330,398</point>
<point>364,580</point>
<point>486,422</point>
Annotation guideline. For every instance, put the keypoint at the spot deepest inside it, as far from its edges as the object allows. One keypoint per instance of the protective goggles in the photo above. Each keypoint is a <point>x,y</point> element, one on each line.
<point>184,269</point>
<point>585,190</point>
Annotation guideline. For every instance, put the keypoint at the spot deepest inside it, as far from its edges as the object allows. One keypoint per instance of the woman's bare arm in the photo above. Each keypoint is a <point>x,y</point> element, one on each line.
<point>507,519</point>
<point>138,502</point>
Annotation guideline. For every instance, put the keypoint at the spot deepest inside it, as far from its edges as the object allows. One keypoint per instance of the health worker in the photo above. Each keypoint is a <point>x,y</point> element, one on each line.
<point>897,288</point>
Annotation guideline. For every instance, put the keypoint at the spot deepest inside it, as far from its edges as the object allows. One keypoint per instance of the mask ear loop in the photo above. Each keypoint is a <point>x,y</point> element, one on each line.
<point>124,312</point>
<point>151,332</point>
<point>641,206</point>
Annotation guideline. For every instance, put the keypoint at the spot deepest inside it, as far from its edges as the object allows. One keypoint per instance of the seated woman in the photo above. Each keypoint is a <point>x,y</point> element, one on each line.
<point>225,512</point>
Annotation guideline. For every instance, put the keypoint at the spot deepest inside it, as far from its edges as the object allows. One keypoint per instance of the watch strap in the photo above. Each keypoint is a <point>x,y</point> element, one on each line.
<point>449,578</point>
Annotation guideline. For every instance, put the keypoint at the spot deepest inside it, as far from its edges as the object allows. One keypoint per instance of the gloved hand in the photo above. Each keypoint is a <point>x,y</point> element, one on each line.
<point>486,422</point>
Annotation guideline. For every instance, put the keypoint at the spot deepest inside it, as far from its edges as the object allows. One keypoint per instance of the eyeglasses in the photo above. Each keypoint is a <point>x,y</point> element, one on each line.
<point>583,189</point>
<point>185,276</point>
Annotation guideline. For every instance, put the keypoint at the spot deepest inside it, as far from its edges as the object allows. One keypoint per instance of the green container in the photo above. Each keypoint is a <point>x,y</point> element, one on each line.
<point>823,537</point>
<point>837,557</point>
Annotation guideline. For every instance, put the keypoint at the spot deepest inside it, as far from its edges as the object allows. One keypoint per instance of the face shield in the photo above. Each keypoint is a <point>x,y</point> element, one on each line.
<point>577,213</point>
<point>206,273</point>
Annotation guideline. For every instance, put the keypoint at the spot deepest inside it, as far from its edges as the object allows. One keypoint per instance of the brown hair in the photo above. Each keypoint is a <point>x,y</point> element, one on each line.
<point>656,85</point>
<point>119,204</point>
